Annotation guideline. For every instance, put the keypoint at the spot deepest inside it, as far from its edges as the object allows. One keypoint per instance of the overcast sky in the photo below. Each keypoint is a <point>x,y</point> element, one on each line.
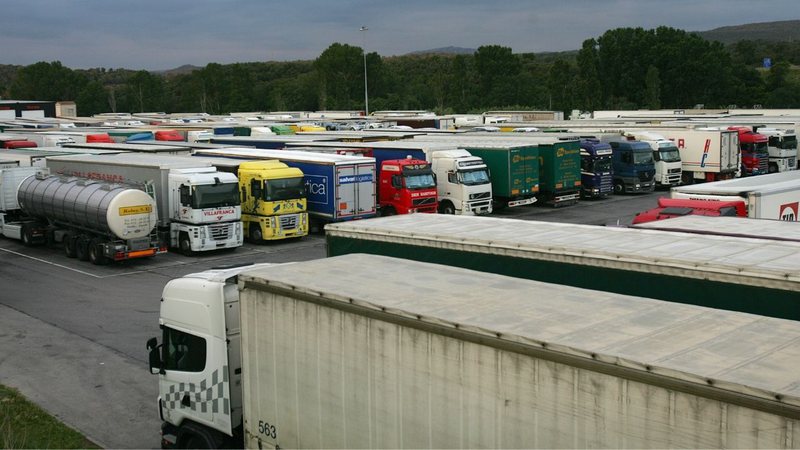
<point>164,34</point>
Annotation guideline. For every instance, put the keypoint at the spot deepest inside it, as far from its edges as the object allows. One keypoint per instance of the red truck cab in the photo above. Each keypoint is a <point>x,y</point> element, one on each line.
<point>99,138</point>
<point>676,207</point>
<point>168,135</point>
<point>755,151</point>
<point>407,186</point>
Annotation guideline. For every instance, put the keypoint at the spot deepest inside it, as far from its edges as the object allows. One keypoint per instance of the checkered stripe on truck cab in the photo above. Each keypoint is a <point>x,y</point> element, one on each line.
<point>208,396</point>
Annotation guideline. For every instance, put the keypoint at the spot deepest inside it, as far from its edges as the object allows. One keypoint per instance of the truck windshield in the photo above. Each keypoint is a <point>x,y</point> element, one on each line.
<point>602,165</point>
<point>762,148</point>
<point>284,189</point>
<point>472,177</point>
<point>669,154</point>
<point>643,157</point>
<point>789,142</point>
<point>215,195</point>
<point>420,181</point>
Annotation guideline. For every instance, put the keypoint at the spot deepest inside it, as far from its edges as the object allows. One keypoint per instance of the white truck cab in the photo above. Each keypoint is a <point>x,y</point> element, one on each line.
<point>462,181</point>
<point>198,361</point>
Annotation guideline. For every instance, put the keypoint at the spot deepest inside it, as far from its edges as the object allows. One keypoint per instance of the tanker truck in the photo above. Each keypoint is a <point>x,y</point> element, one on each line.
<point>96,221</point>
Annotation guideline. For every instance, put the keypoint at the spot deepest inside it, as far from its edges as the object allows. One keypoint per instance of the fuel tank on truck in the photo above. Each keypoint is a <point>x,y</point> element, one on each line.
<point>121,210</point>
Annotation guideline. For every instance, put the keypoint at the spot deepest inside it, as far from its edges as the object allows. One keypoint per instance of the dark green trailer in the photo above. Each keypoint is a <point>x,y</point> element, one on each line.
<point>725,272</point>
<point>559,171</point>
<point>514,172</point>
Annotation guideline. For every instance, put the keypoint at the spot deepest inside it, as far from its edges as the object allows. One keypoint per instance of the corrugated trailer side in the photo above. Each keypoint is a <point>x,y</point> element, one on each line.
<point>355,359</point>
<point>756,276</point>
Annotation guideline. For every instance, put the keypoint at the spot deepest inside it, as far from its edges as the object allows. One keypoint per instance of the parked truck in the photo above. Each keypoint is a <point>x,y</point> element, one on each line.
<point>773,196</point>
<point>281,357</point>
<point>706,154</point>
<point>666,156</point>
<point>733,274</point>
<point>337,187</point>
<point>754,151</point>
<point>782,148</point>
<point>96,221</point>
<point>462,180</point>
<point>634,167</point>
<point>198,206</point>
<point>597,174</point>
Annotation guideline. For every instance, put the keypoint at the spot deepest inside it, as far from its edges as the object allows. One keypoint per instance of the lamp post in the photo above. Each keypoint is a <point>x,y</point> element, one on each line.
<point>366,98</point>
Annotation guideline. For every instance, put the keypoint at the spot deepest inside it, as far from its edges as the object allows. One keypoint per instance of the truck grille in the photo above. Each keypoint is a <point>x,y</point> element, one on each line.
<point>646,175</point>
<point>423,201</point>
<point>479,195</point>
<point>792,163</point>
<point>221,231</point>
<point>763,164</point>
<point>288,221</point>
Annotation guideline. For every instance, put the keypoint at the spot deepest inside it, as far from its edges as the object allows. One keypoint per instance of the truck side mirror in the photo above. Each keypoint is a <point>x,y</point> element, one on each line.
<point>154,349</point>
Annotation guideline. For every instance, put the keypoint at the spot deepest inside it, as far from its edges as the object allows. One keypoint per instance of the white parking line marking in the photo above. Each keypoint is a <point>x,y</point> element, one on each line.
<point>48,262</point>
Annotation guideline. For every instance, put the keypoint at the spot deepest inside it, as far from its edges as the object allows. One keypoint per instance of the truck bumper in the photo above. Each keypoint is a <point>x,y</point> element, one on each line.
<point>477,208</point>
<point>217,236</point>
<point>522,202</point>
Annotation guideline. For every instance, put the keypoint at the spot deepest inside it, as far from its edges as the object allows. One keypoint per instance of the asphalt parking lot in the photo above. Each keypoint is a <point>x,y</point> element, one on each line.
<point>72,335</point>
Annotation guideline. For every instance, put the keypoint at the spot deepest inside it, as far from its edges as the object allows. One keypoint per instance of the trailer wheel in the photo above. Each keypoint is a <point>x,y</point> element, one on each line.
<point>255,235</point>
<point>27,236</point>
<point>82,248</point>
<point>185,245</point>
<point>447,208</point>
<point>96,255</point>
<point>70,245</point>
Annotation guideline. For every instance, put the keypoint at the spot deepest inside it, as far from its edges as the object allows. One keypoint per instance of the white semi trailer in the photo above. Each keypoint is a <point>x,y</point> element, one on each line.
<point>333,353</point>
<point>198,206</point>
<point>772,196</point>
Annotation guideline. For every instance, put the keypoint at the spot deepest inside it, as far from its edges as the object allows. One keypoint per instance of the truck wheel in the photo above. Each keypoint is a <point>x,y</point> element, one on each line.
<point>69,245</point>
<point>773,167</point>
<point>27,236</point>
<point>82,248</point>
<point>619,188</point>
<point>255,235</point>
<point>96,255</point>
<point>196,436</point>
<point>388,211</point>
<point>447,208</point>
<point>185,245</point>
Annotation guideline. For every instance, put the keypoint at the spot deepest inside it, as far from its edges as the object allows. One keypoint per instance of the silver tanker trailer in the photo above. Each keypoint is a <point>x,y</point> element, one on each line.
<point>96,221</point>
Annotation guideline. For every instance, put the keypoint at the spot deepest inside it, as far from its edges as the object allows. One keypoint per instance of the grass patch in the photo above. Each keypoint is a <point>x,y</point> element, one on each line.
<point>25,425</point>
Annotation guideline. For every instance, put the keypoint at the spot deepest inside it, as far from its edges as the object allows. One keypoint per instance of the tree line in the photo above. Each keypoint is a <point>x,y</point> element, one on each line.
<point>625,68</point>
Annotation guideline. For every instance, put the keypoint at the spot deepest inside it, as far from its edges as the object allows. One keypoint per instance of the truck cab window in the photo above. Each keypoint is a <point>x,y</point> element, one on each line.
<point>185,198</point>
<point>452,178</point>
<point>183,351</point>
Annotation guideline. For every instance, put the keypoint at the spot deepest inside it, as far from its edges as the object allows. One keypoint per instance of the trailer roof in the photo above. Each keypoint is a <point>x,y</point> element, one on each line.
<point>753,262</point>
<point>774,182</point>
<point>138,160</point>
<point>777,230</point>
<point>750,355</point>
<point>285,155</point>
<point>166,148</point>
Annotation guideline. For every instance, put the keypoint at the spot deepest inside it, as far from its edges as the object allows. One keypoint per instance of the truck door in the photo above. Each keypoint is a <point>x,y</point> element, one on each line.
<point>728,158</point>
<point>346,198</point>
<point>367,203</point>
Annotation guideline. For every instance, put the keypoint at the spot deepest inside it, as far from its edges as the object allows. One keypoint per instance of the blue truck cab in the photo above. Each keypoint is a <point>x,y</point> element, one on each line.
<point>633,165</point>
<point>597,173</point>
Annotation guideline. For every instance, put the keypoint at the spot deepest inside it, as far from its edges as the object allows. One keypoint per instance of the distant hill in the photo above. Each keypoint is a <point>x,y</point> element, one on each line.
<point>445,51</point>
<point>184,69</point>
<point>786,30</point>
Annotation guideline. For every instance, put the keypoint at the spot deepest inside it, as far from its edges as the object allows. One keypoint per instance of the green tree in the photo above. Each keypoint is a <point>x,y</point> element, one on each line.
<point>652,88</point>
<point>341,75</point>
<point>497,69</point>
<point>47,81</point>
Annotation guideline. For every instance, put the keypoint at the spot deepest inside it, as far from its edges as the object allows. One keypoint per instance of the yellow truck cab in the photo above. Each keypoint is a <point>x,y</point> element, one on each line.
<point>273,201</point>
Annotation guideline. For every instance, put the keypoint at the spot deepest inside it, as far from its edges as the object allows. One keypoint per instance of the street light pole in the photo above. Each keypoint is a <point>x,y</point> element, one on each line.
<point>366,98</point>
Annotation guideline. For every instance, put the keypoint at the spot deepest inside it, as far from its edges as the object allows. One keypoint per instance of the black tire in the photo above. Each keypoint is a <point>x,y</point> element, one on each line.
<point>82,248</point>
<point>255,235</point>
<point>196,436</point>
<point>70,242</point>
<point>27,236</point>
<point>185,245</point>
<point>619,188</point>
<point>773,168</point>
<point>96,255</point>
<point>388,211</point>
<point>447,208</point>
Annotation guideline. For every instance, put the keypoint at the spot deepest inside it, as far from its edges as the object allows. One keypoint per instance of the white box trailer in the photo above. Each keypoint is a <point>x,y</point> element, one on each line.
<point>772,196</point>
<point>333,357</point>
<point>706,155</point>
